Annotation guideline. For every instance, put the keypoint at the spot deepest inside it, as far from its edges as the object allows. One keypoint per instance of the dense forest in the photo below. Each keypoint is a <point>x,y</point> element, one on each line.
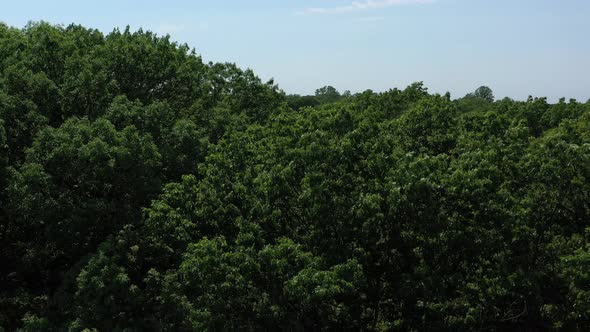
<point>142,189</point>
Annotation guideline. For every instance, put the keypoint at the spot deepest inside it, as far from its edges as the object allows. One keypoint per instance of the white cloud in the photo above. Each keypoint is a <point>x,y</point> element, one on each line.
<point>363,5</point>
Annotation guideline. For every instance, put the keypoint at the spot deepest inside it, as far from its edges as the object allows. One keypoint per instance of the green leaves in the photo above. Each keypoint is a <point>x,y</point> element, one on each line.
<point>426,126</point>
<point>3,150</point>
<point>142,189</point>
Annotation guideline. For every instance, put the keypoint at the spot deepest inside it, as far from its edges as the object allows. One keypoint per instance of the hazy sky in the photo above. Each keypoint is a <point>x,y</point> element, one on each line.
<point>517,47</point>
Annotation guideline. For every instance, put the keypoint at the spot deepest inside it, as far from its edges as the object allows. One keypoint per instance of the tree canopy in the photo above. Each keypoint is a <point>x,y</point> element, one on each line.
<point>142,189</point>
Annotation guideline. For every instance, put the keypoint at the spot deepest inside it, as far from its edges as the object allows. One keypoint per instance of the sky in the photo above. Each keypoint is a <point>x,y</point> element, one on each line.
<point>516,47</point>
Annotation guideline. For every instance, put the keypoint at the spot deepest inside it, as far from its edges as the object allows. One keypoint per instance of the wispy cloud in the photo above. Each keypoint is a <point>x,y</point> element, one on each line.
<point>362,5</point>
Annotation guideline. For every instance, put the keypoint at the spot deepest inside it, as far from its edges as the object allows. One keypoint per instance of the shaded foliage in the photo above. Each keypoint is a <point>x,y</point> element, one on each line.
<point>144,190</point>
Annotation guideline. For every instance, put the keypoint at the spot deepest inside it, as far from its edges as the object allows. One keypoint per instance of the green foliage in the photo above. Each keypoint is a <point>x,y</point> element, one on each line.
<point>327,94</point>
<point>3,148</point>
<point>297,102</point>
<point>144,190</point>
<point>483,92</point>
<point>425,126</point>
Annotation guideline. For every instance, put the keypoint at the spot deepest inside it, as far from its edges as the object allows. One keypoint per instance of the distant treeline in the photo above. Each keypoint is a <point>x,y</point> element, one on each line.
<point>142,189</point>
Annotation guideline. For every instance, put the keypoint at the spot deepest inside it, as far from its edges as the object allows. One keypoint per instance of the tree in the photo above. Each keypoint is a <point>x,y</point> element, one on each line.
<point>297,102</point>
<point>327,94</point>
<point>144,190</point>
<point>483,92</point>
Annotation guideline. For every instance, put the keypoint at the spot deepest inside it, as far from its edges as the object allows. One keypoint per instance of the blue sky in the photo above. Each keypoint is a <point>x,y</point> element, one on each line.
<point>517,47</point>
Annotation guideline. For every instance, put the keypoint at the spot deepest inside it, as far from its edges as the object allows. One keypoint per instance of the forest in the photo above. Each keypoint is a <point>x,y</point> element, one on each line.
<point>143,189</point>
